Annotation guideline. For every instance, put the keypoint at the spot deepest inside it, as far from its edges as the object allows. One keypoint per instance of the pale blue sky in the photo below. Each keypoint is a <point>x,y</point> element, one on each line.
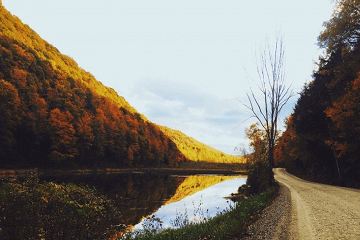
<point>181,63</point>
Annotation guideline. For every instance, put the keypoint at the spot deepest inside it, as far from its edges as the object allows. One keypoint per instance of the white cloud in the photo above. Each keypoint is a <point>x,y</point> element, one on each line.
<point>203,116</point>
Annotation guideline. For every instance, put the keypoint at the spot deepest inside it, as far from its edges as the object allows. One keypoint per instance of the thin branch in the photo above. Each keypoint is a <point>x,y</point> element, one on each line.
<point>271,72</point>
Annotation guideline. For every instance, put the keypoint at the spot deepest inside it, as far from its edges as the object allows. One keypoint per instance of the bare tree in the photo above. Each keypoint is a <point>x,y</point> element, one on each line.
<point>273,91</point>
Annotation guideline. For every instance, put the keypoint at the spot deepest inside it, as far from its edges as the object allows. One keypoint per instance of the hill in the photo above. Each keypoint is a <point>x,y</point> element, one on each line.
<point>196,151</point>
<point>321,141</point>
<point>55,114</point>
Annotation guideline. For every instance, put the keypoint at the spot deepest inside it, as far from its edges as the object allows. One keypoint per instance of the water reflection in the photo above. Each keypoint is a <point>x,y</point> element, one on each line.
<point>135,194</point>
<point>206,203</point>
<point>138,195</point>
<point>195,183</point>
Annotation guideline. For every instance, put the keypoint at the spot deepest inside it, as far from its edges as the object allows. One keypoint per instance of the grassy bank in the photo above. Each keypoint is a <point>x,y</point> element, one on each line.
<point>229,225</point>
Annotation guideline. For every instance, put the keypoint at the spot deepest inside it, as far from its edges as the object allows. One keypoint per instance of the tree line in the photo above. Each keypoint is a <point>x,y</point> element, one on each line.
<point>321,138</point>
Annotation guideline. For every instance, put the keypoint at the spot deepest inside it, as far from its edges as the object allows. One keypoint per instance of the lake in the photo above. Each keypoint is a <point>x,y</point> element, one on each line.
<point>167,196</point>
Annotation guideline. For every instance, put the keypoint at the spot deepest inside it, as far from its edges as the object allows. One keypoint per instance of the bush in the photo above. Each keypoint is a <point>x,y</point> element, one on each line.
<point>260,178</point>
<point>33,210</point>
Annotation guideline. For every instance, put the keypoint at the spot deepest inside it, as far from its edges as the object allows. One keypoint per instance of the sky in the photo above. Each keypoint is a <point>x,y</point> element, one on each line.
<point>184,64</point>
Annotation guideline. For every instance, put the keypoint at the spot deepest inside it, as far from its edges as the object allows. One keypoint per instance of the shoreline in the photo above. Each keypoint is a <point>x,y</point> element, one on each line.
<point>4,173</point>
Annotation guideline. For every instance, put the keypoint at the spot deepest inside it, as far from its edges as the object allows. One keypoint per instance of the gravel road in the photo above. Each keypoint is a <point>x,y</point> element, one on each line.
<point>319,211</point>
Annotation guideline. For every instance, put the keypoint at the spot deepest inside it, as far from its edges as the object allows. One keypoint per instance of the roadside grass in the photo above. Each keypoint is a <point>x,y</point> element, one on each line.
<point>226,225</point>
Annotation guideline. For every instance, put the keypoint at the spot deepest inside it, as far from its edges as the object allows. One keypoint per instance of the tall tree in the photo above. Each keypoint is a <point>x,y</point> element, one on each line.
<point>343,29</point>
<point>273,90</point>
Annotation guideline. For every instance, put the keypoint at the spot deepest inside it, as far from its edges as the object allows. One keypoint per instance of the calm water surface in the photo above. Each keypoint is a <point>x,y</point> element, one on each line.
<point>139,195</point>
<point>205,203</point>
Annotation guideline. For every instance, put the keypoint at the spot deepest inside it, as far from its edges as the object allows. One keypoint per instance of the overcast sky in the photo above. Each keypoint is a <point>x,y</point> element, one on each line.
<point>183,64</point>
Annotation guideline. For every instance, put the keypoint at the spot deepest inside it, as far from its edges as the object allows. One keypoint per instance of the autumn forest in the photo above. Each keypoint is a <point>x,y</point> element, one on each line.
<point>321,141</point>
<point>56,115</point>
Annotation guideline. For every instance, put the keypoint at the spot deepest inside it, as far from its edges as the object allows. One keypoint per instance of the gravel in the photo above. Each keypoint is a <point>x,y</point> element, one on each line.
<point>306,210</point>
<point>322,211</point>
<point>273,222</point>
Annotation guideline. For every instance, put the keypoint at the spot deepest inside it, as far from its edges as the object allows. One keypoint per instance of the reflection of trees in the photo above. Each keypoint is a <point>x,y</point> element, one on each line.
<point>135,195</point>
<point>140,194</point>
<point>193,184</point>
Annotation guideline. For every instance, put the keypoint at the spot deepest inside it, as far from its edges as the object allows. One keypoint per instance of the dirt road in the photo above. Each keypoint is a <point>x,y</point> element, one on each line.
<point>321,211</point>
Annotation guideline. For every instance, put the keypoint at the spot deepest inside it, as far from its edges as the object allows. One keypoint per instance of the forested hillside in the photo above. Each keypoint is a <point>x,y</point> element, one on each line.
<point>197,151</point>
<point>322,136</point>
<point>55,114</point>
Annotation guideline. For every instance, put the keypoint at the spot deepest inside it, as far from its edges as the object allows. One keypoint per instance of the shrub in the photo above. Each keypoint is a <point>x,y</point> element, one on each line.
<point>33,210</point>
<point>260,178</point>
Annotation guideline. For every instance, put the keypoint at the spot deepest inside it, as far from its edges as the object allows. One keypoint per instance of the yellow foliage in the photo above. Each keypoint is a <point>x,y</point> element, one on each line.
<point>13,28</point>
<point>195,183</point>
<point>197,151</point>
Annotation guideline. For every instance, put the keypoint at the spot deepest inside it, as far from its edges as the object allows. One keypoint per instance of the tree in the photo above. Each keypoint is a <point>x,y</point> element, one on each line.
<point>9,118</point>
<point>258,142</point>
<point>344,115</point>
<point>275,94</point>
<point>63,136</point>
<point>343,29</point>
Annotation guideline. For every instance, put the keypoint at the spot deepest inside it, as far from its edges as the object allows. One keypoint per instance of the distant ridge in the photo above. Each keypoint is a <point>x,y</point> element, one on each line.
<point>198,151</point>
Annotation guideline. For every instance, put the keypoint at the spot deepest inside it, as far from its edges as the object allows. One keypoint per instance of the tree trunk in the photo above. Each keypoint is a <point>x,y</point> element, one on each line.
<point>271,155</point>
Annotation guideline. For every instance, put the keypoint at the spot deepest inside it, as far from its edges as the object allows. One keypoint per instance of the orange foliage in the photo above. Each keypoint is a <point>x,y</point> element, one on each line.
<point>61,112</point>
<point>19,75</point>
<point>344,114</point>
<point>284,150</point>
<point>63,136</point>
<point>84,127</point>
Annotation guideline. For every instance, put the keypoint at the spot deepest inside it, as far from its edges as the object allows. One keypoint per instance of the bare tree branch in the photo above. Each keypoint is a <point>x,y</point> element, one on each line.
<point>275,94</point>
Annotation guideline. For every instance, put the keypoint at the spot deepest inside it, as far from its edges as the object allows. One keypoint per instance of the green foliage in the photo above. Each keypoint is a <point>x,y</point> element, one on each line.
<point>343,28</point>
<point>33,210</point>
<point>260,178</point>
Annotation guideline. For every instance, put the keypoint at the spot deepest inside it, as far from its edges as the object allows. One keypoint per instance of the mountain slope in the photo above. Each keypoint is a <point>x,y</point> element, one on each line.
<point>55,114</point>
<point>14,29</point>
<point>197,151</point>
